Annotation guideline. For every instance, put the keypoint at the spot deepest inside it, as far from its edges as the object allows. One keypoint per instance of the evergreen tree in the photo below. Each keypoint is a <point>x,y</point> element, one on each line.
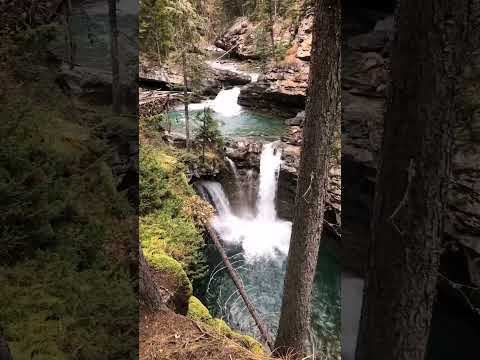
<point>428,54</point>
<point>322,120</point>
<point>208,133</point>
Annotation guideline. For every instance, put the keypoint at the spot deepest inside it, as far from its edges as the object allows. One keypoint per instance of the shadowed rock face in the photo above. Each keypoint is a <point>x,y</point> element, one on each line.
<point>366,58</point>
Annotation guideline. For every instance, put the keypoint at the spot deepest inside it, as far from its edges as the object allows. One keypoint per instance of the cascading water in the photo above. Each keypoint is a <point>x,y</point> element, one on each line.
<point>233,167</point>
<point>226,102</point>
<point>270,162</point>
<point>217,197</point>
<point>263,234</point>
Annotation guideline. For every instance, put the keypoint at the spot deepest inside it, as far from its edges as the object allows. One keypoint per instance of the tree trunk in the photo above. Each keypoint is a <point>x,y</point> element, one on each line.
<point>116,101</point>
<point>148,291</point>
<point>67,24</point>
<point>323,113</point>
<point>413,179</point>
<point>185,100</point>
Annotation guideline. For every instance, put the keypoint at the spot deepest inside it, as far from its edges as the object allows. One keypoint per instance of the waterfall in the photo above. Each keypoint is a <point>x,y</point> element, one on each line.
<point>216,196</point>
<point>226,102</point>
<point>233,167</point>
<point>260,235</point>
<point>250,191</point>
<point>270,162</point>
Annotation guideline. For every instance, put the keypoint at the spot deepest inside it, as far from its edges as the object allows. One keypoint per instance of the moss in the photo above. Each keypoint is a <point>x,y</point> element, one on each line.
<point>251,344</point>
<point>182,287</point>
<point>197,311</point>
<point>221,327</point>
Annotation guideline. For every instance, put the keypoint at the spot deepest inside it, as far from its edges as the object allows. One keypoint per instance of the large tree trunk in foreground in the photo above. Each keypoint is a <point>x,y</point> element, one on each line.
<point>116,100</point>
<point>413,179</point>
<point>323,113</point>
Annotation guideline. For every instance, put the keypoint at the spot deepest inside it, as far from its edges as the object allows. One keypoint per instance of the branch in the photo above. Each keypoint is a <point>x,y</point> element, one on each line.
<point>238,283</point>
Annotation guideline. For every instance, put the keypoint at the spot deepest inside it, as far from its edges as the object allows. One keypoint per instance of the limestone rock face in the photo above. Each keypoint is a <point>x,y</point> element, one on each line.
<point>280,89</point>
<point>239,39</point>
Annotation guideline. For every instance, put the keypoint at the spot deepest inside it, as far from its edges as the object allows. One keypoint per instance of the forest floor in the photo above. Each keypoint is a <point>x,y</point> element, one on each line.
<point>167,336</point>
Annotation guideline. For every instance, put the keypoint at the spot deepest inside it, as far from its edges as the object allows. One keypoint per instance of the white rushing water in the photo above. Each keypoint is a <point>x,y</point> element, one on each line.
<point>225,103</point>
<point>270,162</point>
<point>261,234</point>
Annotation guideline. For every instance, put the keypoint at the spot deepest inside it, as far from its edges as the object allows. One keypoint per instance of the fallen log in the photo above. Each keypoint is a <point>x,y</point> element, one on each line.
<point>238,283</point>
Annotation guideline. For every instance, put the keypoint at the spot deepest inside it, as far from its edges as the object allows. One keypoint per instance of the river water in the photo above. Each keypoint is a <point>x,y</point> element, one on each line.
<point>255,238</point>
<point>257,243</point>
<point>233,119</point>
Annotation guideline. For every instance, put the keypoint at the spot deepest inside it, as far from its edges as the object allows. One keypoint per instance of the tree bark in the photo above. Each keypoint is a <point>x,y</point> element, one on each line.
<point>4,349</point>
<point>185,100</point>
<point>69,45</point>
<point>323,114</point>
<point>238,283</point>
<point>116,101</point>
<point>148,291</point>
<point>413,179</point>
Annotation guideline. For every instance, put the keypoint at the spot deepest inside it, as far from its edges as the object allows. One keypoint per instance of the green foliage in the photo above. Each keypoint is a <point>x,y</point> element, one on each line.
<point>61,297</point>
<point>166,25</point>
<point>166,224</point>
<point>208,133</point>
<point>50,310</point>
<point>176,236</point>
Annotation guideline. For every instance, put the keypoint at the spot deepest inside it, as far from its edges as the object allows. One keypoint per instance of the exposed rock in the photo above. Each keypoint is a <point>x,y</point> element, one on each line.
<point>245,153</point>
<point>293,135</point>
<point>297,120</point>
<point>280,89</point>
<point>303,39</point>
<point>239,39</point>
<point>372,41</point>
<point>228,77</point>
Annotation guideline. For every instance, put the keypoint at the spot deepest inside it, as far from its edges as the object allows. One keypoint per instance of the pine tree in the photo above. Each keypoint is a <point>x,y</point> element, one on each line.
<point>428,54</point>
<point>322,120</point>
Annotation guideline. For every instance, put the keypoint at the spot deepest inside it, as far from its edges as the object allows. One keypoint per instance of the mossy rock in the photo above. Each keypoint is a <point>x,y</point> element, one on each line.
<point>169,274</point>
<point>221,327</point>
<point>199,312</point>
<point>251,344</point>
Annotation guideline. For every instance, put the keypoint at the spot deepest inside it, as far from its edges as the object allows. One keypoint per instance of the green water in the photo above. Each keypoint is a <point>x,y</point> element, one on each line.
<point>263,281</point>
<point>244,124</point>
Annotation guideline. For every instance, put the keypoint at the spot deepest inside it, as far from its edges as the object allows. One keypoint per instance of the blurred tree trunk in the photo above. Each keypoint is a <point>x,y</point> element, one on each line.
<point>67,24</point>
<point>116,94</point>
<point>323,114</point>
<point>4,350</point>
<point>413,179</point>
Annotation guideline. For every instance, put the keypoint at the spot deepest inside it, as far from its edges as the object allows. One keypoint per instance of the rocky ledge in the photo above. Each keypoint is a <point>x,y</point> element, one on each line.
<point>169,77</point>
